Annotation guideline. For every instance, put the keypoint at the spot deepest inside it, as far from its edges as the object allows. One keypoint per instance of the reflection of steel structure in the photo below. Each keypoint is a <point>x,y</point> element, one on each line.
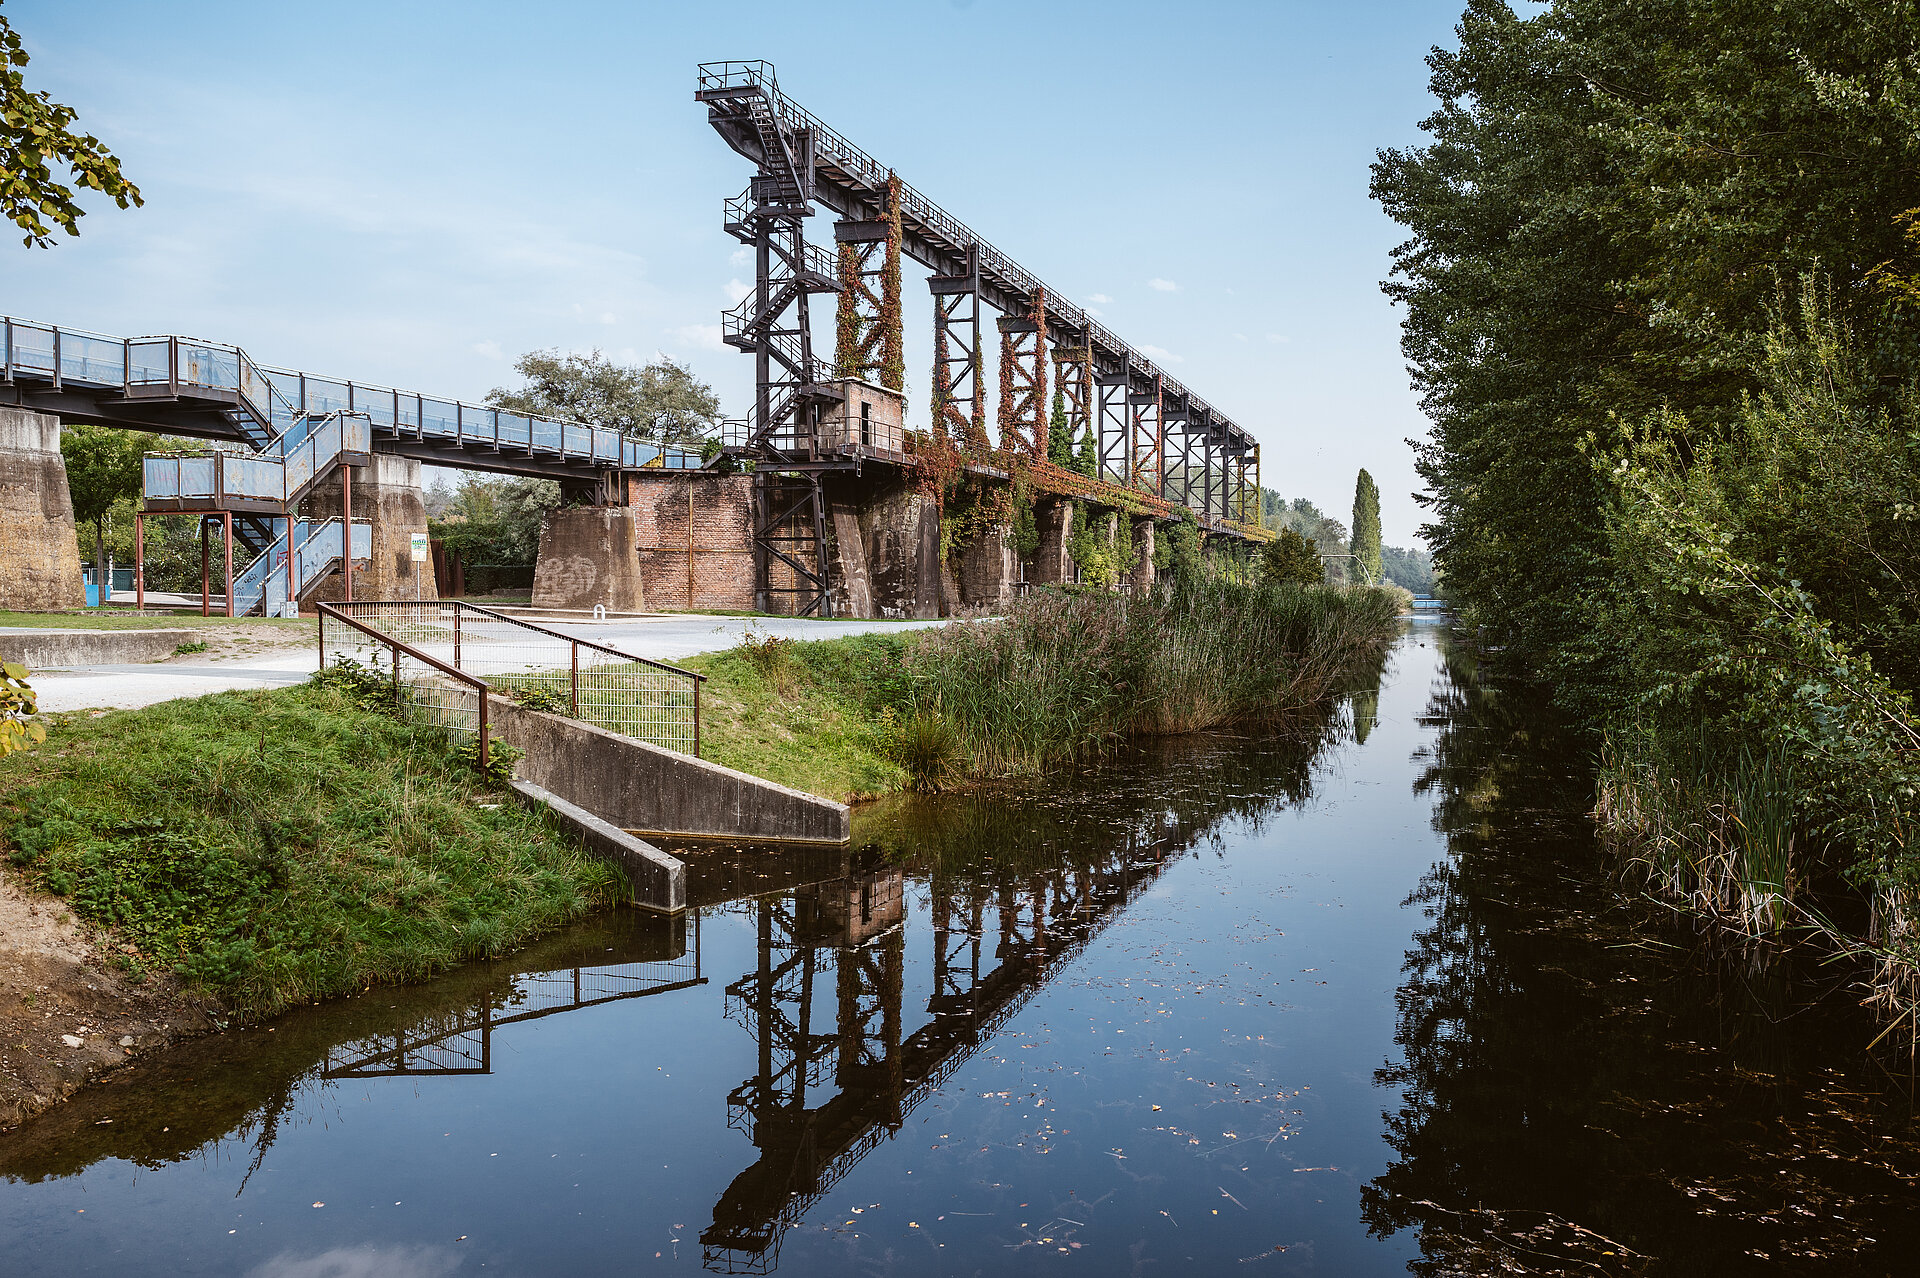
<point>460,1040</point>
<point>994,944</point>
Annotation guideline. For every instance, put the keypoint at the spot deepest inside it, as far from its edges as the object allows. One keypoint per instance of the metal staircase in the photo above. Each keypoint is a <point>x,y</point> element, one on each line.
<point>256,494</point>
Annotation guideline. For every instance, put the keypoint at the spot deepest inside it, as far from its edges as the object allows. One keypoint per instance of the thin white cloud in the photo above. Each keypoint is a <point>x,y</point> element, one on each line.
<point>1239,337</point>
<point>1163,356</point>
<point>1159,285</point>
<point>737,289</point>
<point>1099,298</point>
<point>607,317</point>
<point>740,257</point>
<point>1096,312</point>
<point>490,349</point>
<point>704,337</point>
<point>1278,339</point>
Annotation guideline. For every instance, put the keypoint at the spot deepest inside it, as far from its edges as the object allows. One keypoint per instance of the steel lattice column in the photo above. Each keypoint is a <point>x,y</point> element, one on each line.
<point>1073,375</point>
<point>1173,420</point>
<point>1023,380</point>
<point>1147,447</point>
<point>1114,425</point>
<point>868,339</point>
<point>959,399</point>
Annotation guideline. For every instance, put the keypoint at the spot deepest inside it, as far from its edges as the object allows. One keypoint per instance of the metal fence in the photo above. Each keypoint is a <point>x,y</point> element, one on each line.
<point>541,668</point>
<point>429,689</point>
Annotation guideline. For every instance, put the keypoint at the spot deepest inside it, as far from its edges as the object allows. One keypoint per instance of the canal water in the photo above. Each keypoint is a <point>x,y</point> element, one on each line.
<point>1352,998</point>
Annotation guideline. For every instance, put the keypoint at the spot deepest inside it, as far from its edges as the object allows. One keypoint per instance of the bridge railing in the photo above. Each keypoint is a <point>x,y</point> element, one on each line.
<point>161,367</point>
<point>633,696</point>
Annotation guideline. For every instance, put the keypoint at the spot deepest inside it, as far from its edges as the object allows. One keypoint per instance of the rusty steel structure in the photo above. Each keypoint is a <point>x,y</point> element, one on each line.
<point>802,166</point>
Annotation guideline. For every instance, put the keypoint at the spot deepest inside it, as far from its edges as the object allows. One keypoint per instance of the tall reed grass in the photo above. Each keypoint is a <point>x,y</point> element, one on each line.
<point>1711,827</point>
<point>1065,674</point>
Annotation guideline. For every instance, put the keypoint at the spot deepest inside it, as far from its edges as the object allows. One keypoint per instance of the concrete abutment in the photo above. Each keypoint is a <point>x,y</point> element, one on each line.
<point>39,546</point>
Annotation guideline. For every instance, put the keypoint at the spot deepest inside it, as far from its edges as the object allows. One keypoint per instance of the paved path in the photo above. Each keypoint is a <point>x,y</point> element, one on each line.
<point>663,639</point>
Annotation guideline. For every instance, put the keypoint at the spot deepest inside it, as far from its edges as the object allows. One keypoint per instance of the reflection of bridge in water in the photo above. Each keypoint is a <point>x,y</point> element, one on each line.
<point>459,1040</point>
<point>838,1072</point>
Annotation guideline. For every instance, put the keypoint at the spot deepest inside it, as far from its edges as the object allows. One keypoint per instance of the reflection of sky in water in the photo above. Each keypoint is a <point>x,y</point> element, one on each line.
<point>1138,1025</point>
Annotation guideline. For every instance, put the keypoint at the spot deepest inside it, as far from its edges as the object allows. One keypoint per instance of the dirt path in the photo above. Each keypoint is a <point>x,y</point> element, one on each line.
<point>65,1017</point>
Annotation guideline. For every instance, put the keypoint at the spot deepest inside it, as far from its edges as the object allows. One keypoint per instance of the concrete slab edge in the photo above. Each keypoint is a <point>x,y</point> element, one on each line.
<point>659,881</point>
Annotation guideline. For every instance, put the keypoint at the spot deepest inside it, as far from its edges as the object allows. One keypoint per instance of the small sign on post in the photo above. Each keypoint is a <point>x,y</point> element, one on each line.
<point>420,548</point>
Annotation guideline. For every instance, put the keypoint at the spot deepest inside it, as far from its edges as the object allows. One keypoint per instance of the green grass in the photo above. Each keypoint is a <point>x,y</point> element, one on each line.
<point>807,714</point>
<point>1061,676</point>
<point>279,847</point>
<point>94,619</point>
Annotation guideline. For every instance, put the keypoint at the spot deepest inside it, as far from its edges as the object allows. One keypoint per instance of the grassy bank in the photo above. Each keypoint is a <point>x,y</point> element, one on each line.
<point>278,847</point>
<point>1061,676</point>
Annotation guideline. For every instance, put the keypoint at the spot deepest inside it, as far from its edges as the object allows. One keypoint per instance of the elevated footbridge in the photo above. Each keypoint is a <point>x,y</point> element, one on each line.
<point>188,387</point>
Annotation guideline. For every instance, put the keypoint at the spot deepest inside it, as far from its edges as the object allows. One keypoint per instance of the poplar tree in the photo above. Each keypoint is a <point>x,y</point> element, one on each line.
<point>1059,438</point>
<point>1366,531</point>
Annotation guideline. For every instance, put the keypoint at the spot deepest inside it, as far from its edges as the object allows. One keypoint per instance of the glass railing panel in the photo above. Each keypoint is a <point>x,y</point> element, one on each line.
<point>195,475</point>
<point>573,440</point>
<point>515,429</point>
<point>33,348</point>
<point>356,434</point>
<point>160,477</point>
<point>476,423</point>
<point>209,366</point>
<point>91,359</point>
<point>406,414</point>
<point>146,360</point>
<point>440,417</point>
<point>299,467</point>
<point>606,445</point>
<point>326,397</point>
<point>362,540</point>
<point>377,404</point>
<point>256,478</point>
<point>546,435</point>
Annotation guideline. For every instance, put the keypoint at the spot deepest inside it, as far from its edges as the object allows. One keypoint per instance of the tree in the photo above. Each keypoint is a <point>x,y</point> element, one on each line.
<point>1087,459</point>
<point>1291,557</point>
<point>1059,436</point>
<point>492,520</point>
<point>36,134</point>
<point>660,403</point>
<point>103,467</point>
<point>1365,568</point>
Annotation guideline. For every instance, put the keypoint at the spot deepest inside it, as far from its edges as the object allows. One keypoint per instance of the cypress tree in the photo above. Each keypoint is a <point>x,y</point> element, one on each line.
<point>1059,439</point>
<point>1366,530</point>
<point>1087,462</point>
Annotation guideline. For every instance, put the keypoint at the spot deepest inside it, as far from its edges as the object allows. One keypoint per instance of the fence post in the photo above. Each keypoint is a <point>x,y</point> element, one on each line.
<point>396,676</point>
<point>696,718</point>
<point>203,595</point>
<point>485,745</point>
<point>573,703</point>
<point>456,634</point>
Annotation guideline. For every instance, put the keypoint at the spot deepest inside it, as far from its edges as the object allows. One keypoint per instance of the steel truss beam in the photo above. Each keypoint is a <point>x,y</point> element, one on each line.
<point>1023,381</point>
<point>868,339</point>
<point>1147,440</point>
<point>1114,426</point>
<point>1073,375</point>
<point>959,398</point>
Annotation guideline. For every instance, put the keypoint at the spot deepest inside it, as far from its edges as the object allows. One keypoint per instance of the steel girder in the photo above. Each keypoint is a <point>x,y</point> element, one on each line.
<point>1146,439</point>
<point>1073,375</point>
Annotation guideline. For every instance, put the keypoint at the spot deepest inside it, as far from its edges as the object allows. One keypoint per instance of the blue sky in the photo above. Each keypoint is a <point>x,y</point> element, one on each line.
<point>413,194</point>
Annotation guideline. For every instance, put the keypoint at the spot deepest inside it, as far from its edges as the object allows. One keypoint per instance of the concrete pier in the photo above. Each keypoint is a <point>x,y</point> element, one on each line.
<point>386,492</point>
<point>589,557</point>
<point>39,549</point>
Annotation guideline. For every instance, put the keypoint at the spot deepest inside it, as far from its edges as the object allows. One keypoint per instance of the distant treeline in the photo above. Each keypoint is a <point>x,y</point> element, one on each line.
<point>1408,569</point>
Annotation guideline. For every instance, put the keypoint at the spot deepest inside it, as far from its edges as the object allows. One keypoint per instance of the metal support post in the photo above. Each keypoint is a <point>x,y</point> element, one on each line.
<point>1023,380</point>
<point>206,607</point>
<point>1115,462</point>
<point>226,537</point>
<point>958,395</point>
<point>1073,375</point>
<point>1147,444</point>
<point>346,531</point>
<point>139,561</point>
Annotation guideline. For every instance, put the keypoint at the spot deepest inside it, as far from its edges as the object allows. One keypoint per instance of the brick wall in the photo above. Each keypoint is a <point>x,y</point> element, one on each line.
<point>695,536</point>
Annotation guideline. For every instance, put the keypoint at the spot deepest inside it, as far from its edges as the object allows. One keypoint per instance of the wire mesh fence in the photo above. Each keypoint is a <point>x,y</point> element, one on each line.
<point>430,690</point>
<point>539,668</point>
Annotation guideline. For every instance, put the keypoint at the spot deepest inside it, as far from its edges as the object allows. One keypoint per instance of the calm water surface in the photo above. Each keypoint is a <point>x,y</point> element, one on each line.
<point>1354,999</point>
